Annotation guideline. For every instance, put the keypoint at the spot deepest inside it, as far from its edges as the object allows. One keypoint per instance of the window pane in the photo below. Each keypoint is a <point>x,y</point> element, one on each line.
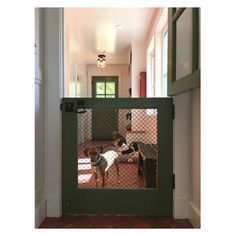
<point>165,49</point>
<point>153,74</point>
<point>184,34</point>
<point>100,96</point>
<point>100,88</point>
<point>110,96</point>
<point>110,88</point>
<point>164,65</point>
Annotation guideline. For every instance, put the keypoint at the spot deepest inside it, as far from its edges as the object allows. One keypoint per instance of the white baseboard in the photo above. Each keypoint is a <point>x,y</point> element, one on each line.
<point>194,215</point>
<point>53,206</point>
<point>40,214</point>
<point>180,208</point>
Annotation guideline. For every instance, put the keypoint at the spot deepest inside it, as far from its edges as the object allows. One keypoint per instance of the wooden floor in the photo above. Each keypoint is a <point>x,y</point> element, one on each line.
<point>114,221</point>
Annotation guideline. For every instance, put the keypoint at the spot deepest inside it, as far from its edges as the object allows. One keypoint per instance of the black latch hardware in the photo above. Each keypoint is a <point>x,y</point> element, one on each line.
<point>80,107</point>
<point>69,107</point>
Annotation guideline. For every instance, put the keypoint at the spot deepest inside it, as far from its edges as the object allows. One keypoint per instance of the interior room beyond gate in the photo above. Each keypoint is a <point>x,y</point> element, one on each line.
<point>130,135</point>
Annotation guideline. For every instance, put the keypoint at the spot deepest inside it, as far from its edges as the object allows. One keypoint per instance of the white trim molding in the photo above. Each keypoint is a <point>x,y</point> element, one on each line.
<point>181,155</point>
<point>180,208</point>
<point>40,213</point>
<point>53,94</point>
<point>194,215</point>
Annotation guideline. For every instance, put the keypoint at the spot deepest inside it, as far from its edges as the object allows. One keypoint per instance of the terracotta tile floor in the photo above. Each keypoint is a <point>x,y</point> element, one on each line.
<point>114,221</point>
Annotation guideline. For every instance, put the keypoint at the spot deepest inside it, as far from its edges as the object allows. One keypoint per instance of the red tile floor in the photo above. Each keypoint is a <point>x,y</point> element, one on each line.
<point>114,221</point>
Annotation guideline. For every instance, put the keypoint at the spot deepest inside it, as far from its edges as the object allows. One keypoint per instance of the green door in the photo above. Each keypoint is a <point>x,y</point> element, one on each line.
<point>152,193</point>
<point>104,87</point>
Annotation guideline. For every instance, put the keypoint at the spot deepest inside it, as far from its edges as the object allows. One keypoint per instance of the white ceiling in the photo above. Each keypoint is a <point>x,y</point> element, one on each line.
<point>95,29</point>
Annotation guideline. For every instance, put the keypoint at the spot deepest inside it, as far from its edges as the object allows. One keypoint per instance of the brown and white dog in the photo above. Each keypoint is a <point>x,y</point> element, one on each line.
<point>120,143</point>
<point>102,162</point>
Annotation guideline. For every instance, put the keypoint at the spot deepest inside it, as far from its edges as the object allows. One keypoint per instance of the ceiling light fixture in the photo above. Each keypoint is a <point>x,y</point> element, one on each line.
<point>101,61</point>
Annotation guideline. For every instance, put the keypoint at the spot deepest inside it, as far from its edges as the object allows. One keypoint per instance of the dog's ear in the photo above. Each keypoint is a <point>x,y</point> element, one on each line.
<point>100,149</point>
<point>86,151</point>
<point>114,135</point>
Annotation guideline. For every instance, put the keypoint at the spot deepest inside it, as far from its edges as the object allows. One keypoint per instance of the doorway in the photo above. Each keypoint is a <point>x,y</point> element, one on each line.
<point>104,87</point>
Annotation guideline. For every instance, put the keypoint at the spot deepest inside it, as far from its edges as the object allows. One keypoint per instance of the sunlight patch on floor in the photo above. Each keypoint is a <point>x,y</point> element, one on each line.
<point>84,167</point>
<point>83,160</point>
<point>84,178</point>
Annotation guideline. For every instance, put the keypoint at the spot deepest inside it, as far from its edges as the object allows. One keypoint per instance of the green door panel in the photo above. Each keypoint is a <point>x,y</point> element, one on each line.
<point>104,87</point>
<point>103,130</point>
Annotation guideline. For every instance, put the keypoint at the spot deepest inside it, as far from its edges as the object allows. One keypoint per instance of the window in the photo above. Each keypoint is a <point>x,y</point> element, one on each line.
<point>157,55</point>
<point>151,80</point>
<point>151,69</point>
<point>153,74</point>
<point>164,64</point>
<point>105,87</point>
<point>184,53</point>
<point>105,90</point>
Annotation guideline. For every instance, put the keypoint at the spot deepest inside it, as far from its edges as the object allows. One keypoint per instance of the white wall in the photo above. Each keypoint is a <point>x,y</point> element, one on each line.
<point>187,156</point>
<point>138,65</point>
<point>40,199</point>
<point>181,152</point>
<point>75,57</point>
<point>194,203</point>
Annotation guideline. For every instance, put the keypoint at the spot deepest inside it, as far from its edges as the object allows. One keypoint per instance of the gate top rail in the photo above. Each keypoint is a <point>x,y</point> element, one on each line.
<point>129,103</point>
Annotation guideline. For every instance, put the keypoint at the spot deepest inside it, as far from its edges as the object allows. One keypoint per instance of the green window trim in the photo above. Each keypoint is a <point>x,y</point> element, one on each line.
<point>191,80</point>
<point>107,81</point>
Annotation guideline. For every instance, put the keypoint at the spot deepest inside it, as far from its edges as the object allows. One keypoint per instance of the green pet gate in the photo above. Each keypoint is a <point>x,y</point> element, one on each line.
<point>144,182</point>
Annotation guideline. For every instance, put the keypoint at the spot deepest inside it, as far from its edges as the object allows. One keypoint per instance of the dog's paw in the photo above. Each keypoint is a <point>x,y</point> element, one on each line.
<point>130,159</point>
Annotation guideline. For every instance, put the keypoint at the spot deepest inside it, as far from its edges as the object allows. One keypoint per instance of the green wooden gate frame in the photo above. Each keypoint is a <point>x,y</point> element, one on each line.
<point>158,201</point>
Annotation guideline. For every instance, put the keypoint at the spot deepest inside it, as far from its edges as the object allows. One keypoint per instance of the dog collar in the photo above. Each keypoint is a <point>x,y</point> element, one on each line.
<point>97,162</point>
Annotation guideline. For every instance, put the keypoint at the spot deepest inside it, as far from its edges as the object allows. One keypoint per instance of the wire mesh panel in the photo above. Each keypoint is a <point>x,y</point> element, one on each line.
<point>117,148</point>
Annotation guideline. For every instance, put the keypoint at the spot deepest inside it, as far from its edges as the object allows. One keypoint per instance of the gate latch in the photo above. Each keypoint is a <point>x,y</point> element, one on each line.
<point>80,107</point>
<point>69,107</point>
